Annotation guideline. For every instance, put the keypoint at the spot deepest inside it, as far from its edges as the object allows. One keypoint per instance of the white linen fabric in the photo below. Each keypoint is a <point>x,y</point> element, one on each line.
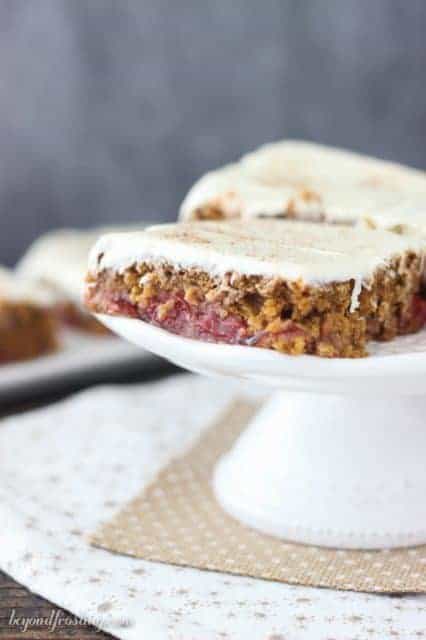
<point>66,468</point>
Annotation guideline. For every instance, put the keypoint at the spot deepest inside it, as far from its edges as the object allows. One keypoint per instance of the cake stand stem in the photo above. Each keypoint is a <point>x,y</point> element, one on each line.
<point>331,470</point>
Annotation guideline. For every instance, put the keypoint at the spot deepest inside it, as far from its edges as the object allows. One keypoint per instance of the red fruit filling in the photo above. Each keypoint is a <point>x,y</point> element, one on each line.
<point>207,321</point>
<point>418,311</point>
<point>204,321</point>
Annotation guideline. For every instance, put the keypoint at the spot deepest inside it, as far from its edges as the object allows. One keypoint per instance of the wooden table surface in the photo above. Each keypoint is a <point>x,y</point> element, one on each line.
<point>17,604</point>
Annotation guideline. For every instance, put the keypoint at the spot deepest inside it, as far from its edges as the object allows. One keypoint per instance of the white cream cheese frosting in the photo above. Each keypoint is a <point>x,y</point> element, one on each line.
<point>409,219</point>
<point>311,253</point>
<point>15,288</point>
<point>307,181</point>
<point>59,258</point>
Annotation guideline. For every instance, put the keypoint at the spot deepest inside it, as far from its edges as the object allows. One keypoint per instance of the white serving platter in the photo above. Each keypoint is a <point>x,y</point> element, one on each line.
<point>80,357</point>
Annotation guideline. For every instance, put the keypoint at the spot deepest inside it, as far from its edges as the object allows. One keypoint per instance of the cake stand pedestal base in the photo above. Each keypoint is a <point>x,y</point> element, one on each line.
<point>331,470</point>
<point>345,468</point>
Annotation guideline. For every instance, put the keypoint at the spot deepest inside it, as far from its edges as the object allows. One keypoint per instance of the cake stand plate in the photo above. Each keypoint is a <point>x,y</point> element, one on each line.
<point>336,457</point>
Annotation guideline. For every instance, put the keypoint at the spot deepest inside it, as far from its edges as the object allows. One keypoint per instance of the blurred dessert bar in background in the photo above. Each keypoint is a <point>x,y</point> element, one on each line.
<point>297,288</point>
<point>59,259</point>
<point>28,326</point>
<point>307,181</point>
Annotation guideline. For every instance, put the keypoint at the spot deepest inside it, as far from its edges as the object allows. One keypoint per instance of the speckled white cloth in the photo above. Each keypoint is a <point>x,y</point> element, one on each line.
<point>66,468</point>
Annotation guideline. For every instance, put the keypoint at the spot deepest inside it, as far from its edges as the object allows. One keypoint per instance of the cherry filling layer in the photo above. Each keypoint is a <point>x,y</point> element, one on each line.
<point>203,321</point>
<point>209,322</point>
<point>418,311</point>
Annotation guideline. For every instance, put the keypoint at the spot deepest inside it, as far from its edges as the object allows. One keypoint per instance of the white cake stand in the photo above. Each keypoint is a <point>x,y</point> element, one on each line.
<point>338,458</point>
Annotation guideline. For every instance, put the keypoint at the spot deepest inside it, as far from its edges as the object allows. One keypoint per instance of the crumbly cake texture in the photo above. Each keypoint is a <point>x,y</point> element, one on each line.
<point>26,331</point>
<point>297,288</point>
<point>28,325</point>
<point>307,181</point>
<point>407,221</point>
<point>59,259</point>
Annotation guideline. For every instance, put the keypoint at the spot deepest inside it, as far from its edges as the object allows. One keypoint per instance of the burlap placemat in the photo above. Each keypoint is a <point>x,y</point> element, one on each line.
<point>177,520</point>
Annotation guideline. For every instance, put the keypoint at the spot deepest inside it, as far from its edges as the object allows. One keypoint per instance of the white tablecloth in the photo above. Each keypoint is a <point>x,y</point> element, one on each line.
<point>66,468</point>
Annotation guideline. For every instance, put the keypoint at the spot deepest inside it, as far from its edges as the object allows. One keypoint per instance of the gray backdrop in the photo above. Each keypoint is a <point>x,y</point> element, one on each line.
<point>109,110</point>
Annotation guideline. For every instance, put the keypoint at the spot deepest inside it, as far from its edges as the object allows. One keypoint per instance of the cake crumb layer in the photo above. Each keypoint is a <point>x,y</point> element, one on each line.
<point>26,331</point>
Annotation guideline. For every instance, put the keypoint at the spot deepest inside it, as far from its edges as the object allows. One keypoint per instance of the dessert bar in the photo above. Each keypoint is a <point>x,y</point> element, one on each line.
<point>27,322</point>
<point>292,179</point>
<point>59,258</point>
<point>298,288</point>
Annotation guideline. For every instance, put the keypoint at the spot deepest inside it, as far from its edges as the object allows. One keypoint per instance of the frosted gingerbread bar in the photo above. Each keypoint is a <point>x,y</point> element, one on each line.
<point>298,288</point>
<point>59,259</point>
<point>27,320</point>
<point>302,180</point>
